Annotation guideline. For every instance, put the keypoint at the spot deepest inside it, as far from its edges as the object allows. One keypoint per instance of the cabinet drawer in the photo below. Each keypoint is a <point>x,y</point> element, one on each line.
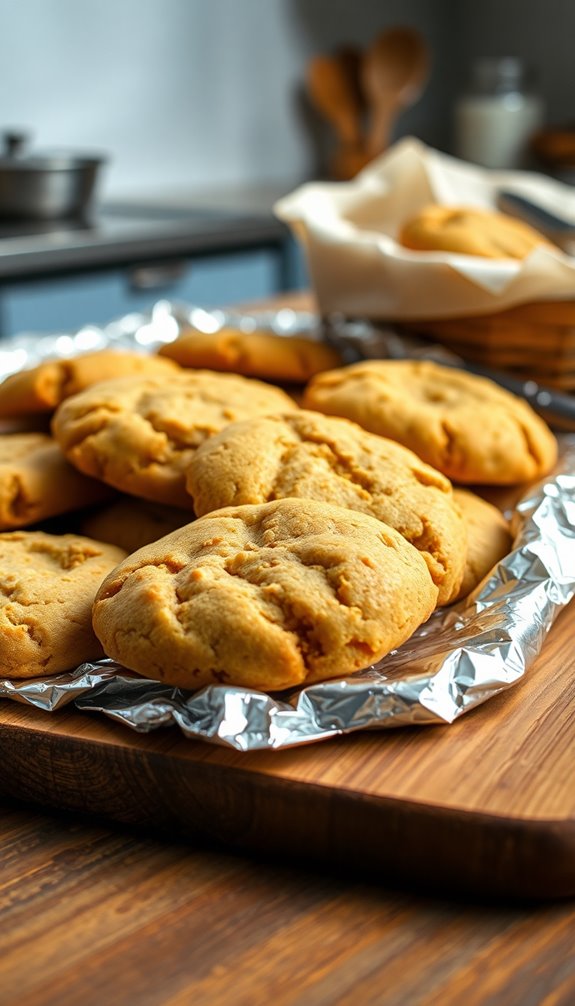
<point>226,279</point>
<point>67,303</point>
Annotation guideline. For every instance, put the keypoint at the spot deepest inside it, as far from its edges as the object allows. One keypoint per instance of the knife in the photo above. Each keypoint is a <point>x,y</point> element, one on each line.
<point>556,228</point>
<point>361,340</point>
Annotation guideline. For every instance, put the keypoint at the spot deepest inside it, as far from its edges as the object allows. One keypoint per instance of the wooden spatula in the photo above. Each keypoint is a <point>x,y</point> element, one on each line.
<point>334,88</point>
<point>394,71</point>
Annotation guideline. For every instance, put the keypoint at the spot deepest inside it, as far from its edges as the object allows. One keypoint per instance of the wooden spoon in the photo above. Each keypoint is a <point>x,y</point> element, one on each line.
<point>334,94</point>
<point>394,70</point>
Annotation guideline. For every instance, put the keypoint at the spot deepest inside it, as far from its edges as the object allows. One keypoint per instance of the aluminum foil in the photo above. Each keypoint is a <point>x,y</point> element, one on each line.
<point>457,660</point>
<point>146,331</point>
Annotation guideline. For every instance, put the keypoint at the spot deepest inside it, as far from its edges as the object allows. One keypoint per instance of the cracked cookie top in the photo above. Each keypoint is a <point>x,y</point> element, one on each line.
<point>254,354</point>
<point>307,455</point>
<point>470,230</point>
<point>47,586</point>
<point>466,426</point>
<point>37,482</point>
<point>42,388</point>
<point>139,434</point>
<point>267,597</point>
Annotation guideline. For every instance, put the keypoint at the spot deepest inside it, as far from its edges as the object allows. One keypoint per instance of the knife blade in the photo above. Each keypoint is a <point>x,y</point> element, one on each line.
<point>556,228</point>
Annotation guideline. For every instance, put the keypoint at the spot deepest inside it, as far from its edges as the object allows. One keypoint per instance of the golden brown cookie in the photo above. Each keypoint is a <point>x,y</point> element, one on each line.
<point>42,388</point>
<point>139,433</point>
<point>266,597</point>
<point>311,456</point>
<point>470,231</point>
<point>131,523</point>
<point>37,482</point>
<point>48,583</point>
<point>488,538</point>
<point>253,354</point>
<point>467,427</point>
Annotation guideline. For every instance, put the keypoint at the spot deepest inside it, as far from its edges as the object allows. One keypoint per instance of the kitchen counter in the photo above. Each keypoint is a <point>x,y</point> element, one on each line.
<point>120,234</point>
<point>205,248</point>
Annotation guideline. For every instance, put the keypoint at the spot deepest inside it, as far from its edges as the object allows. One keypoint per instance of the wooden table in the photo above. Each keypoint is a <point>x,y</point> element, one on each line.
<point>93,915</point>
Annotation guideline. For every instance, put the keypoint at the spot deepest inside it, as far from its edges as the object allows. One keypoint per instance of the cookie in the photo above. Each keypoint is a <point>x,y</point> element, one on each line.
<point>470,231</point>
<point>253,354</point>
<point>139,434</point>
<point>48,583</point>
<point>131,523</point>
<point>488,538</point>
<point>42,388</point>
<point>267,597</point>
<point>466,426</point>
<point>36,481</point>
<point>311,456</point>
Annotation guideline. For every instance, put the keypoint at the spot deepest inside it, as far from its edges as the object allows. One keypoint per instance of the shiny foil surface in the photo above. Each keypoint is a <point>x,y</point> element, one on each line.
<point>458,659</point>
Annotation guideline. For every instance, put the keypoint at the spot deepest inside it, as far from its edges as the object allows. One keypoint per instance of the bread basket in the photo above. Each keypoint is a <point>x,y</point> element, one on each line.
<point>516,315</point>
<point>532,341</point>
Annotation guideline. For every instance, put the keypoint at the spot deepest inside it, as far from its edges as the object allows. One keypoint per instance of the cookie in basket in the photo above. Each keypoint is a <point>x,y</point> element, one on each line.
<point>36,481</point>
<point>254,354</point>
<point>488,538</point>
<point>470,231</point>
<point>466,426</point>
<point>139,434</point>
<point>304,454</point>
<point>131,523</point>
<point>48,583</point>
<point>267,597</point>
<point>42,388</point>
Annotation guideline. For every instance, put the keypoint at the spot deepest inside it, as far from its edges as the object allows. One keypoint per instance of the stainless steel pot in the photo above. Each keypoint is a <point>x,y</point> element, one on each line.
<point>45,186</point>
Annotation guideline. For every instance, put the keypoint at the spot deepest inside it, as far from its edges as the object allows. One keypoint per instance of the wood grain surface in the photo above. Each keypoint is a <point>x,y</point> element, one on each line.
<point>95,915</point>
<point>486,804</point>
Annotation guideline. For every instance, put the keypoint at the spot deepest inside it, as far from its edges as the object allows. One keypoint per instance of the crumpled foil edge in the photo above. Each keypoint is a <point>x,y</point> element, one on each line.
<point>459,658</point>
<point>462,656</point>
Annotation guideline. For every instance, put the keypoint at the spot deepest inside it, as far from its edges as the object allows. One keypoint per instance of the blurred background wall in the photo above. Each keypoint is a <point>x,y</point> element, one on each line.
<point>188,94</point>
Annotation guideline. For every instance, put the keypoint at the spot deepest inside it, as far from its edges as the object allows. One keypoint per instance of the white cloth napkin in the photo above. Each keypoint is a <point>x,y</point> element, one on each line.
<point>349,231</point>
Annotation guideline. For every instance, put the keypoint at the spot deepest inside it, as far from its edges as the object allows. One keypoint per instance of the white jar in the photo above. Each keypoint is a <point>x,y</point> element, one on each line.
<point>496,118</point>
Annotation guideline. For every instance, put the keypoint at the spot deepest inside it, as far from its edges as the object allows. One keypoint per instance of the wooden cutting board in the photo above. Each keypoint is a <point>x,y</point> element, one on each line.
<point>486,804</point>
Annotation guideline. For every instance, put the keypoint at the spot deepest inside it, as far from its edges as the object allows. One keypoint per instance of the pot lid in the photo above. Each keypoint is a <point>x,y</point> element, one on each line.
<point>15,156</point>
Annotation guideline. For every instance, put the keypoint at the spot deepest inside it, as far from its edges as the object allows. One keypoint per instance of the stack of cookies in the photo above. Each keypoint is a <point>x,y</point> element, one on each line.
<point>247,541</point>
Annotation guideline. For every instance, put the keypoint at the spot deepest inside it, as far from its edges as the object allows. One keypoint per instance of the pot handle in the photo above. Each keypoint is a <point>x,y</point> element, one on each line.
<point>14,142</point>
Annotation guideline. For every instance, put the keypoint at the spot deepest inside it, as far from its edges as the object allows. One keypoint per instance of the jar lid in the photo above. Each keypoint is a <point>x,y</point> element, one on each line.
<point>499,75</point>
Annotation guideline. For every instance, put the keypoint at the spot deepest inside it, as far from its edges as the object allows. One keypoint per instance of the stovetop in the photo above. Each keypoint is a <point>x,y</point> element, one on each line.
<point>121,218</point>
<point>125,232</point>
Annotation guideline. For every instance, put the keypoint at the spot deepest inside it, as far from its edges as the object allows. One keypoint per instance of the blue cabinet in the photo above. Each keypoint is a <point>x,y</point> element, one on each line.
<point>65,303</point>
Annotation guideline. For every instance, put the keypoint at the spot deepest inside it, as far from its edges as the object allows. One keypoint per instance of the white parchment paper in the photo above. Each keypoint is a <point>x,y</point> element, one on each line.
<point>349,232</point>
